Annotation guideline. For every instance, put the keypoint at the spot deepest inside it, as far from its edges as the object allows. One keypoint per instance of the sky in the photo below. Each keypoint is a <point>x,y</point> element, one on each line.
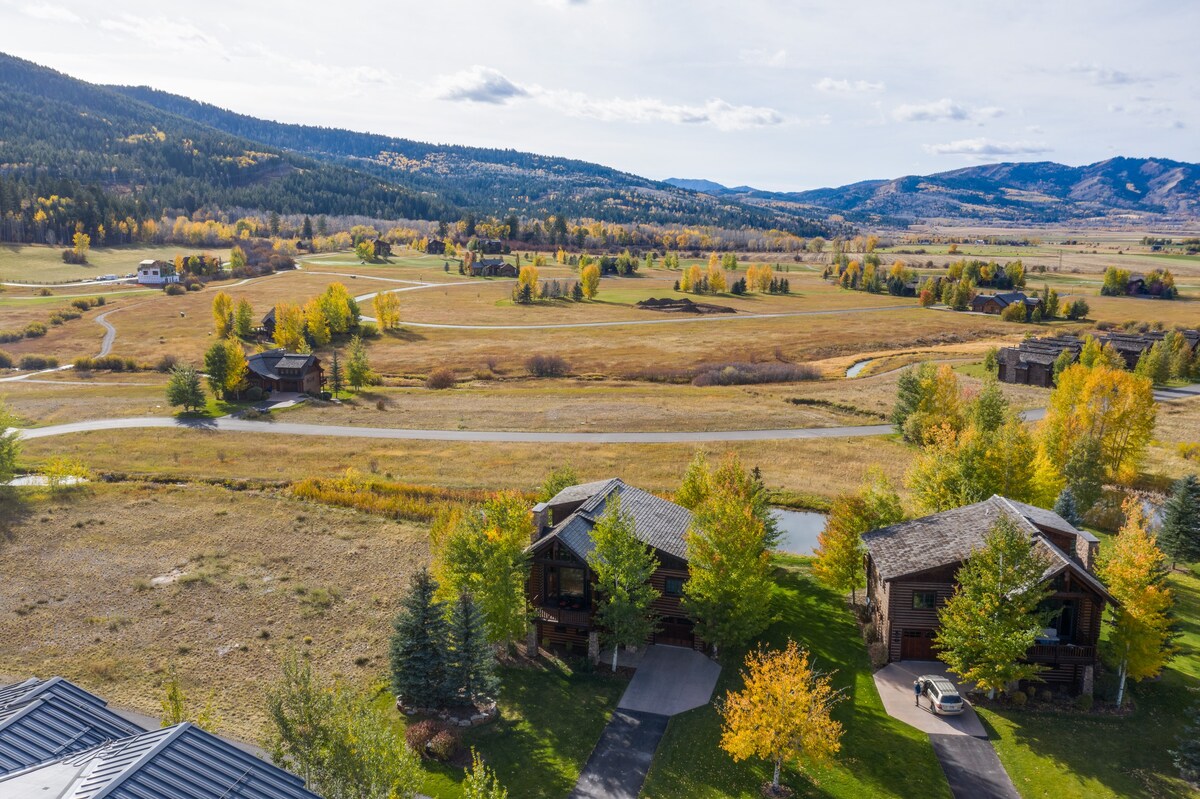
<point>782,96</point>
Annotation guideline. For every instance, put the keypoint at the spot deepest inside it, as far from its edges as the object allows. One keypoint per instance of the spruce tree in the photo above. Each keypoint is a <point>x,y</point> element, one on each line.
<point>470,666</point>
<point>1065,507</point>
<point>1179,536</point>
<point>1187,755</point>
<point>335,375</point>
<point>419,646</point>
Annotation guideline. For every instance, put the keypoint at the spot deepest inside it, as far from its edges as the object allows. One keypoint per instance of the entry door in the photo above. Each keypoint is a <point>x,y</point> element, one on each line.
<point>917,645</point>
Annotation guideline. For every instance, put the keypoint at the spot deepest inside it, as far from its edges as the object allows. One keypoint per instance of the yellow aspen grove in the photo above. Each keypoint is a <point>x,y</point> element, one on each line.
<point>528,277</point>
<point>387,310</point>
<point>316,322</point>
<point>590,278</point>
<point>693,278</point>
<point>716,279</point>
<point>289,327</point>
<point>713,261</point>
<point>222,311</point>
<point>783,712</point>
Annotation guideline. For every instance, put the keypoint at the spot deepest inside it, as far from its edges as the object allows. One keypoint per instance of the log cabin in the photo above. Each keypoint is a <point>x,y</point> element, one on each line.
<point>561,587</point>
<point>911,569</point>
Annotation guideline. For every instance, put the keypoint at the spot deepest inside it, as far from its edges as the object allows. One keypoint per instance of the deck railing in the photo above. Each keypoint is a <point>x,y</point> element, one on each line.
<point>1061,653</point>
<point>558,615</point>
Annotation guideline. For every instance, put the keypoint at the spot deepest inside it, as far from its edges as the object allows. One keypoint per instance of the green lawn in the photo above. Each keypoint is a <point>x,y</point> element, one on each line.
<point>550,720</point>
<point>880,756</point>
<point>1098,757</point>
<point>30,263</point>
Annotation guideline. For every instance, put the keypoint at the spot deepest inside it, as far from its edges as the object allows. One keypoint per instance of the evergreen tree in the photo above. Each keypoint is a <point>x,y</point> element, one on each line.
<point>183,388</point>
<point>1065,507</point>
<point>419,646</point>
<point>1187,755</point>
<point>306,231</point>
<point>335,375</point>
<point>1179,536</point>
<point>243,319</point>
<point>358,371</point>
<point>216,366</point>
<point>622,565</point>
<point>471,666</point>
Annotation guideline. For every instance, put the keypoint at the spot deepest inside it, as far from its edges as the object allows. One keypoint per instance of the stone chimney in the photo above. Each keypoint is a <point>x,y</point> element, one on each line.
<point>542,520</point>
<point>1085,551</point>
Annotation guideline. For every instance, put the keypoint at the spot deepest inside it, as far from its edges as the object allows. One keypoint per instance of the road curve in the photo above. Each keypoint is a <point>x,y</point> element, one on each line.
<point>232,425</point>
<point>110,332</point>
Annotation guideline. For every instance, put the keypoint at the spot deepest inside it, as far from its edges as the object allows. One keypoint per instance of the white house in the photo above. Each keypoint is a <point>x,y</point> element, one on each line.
<point>156,273</point>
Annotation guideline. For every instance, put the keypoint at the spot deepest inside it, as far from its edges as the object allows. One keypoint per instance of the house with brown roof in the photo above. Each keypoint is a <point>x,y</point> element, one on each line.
<point>561,587</point>
<point>911,569</point>
<point>280,370</point>
<point>996,303</point>
<point>493,267</point>
<point>1032,362</point>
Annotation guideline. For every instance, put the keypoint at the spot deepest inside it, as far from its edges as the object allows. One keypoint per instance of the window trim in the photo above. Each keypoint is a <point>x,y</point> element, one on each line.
<point>924,594</point>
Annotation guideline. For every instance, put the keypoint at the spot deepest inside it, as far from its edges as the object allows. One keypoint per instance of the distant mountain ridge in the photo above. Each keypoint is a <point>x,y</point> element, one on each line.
<point>1032,192</point>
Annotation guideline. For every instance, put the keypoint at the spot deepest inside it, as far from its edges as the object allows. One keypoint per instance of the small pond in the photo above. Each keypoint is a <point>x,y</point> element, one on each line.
<point>856,368</point>
<point>799,529</point>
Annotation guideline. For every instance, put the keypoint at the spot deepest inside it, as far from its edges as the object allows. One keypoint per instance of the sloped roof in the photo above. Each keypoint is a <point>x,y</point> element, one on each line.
<point>949,537</point>
<point>268,363</point>
<point>45,719</point>
<point>656,522</point>
<point>171,763</point>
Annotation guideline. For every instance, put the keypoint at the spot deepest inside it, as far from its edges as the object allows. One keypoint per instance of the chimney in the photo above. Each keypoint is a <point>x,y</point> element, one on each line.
<point>1085,551</point>
<point>542,520</point>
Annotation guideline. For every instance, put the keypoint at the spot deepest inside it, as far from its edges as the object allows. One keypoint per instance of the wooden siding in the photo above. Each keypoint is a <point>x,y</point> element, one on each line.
<point>903,616</point>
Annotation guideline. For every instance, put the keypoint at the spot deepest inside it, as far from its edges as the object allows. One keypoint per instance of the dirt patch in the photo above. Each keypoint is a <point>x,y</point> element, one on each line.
<point>684,305</point>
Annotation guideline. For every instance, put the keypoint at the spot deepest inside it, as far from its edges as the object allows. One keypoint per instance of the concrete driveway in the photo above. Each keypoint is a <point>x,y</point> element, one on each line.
<point>895,684</point>
<point>670,680</point>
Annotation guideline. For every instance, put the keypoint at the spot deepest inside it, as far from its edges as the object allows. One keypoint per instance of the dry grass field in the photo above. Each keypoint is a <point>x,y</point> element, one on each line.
<point>41,264</point>
<point>112,585</point>
<point>70,396</point>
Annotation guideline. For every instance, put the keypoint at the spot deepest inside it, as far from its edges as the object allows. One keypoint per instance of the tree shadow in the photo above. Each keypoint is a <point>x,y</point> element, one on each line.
<point>15,509</point>
<point>404,334</point>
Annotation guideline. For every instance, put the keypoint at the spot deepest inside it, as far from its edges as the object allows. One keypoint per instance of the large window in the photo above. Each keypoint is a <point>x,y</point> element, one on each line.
<point>924,600</point>
<point>673,586</point>
<point>565,585</point>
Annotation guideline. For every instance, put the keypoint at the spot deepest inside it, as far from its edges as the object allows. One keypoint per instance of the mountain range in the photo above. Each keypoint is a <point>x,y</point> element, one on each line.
<point>1117,189</point>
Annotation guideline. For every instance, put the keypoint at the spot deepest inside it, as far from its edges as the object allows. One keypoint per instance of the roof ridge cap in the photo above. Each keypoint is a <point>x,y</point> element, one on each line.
<point>171,734</point>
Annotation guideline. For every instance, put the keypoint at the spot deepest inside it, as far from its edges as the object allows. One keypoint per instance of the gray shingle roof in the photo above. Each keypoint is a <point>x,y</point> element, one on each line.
<point>657,522</point>
<point>45,719</point>
<point>949,537</point>
<point>170,763</point>
<point>269,362</point>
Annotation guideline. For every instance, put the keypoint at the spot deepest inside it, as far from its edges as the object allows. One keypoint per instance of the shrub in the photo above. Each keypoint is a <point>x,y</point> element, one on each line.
<point>9,336</point>
<point>6,360</point>
<point>195,286</point>
<point>440,378</point>
<point>38,362</point>
<point>72,257</point>
<point>878,652</point>
<point>35,330</point>
<point>419,734</point>
<point>1019,699</point>
<point>1084,702</point>
<point>174,290</point>
<point>368,330</point>
<point>736,374</point>
<point>1046,695</point>
<point>444,745</point>
<point>253,394</point>
<point>166,363</point>
<point>82,304</point>
<point>546,365</point>
<point>45,292</point>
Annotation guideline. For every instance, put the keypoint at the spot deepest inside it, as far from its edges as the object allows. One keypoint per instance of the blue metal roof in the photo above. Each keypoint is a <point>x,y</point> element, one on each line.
<point>45,719</point>
<point>173,763</point>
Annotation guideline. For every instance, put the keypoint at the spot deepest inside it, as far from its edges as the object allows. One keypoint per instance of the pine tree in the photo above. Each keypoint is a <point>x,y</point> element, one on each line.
<point>419,646</point>
<point>183,388</point>
<point>471,666</point>
<point>1187,755</point>
<point>1065,507</point>
<point>622,565</point>
<point>1179,536</point>
<point>335,375</point>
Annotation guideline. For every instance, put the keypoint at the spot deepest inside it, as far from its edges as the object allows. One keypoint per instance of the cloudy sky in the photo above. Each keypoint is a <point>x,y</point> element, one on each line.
<point>779,95</point>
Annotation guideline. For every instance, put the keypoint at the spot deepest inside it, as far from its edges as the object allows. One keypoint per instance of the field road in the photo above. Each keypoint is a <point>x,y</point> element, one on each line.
<point>228,424</point>
<point>110,332</point>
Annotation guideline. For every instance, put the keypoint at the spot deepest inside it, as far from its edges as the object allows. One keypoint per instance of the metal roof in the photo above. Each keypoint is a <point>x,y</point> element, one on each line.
<point>44,719</point>
<point>656,522</point>
<point>171,763</point>
<point>268,362</point>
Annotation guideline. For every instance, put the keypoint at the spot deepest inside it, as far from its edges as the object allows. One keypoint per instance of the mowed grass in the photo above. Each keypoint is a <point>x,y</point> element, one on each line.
<point>1102,757</point>
<point>880,756</point>
<point>114,584</point>
<point>32,263</point>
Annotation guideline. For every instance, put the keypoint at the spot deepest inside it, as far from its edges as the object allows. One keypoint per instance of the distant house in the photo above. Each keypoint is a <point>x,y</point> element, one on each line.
<point>493,267</point>
<point>491,246</point>
<point>156,273</point>
<point>561,587</point>
<point>382,248</point>
<point>911,573</point>
<point>42,720</point>
<point>280,370</point>
<point>1136,285</point>
<point>168,763</point>
<point>268,323</point>
<point>1032,362</point>
<point>996,303</point>
<point>435,247</point>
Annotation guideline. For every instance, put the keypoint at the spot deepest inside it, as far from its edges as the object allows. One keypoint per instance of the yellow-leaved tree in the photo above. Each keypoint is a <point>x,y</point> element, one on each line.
<point>782,714</point>
<point>590,278</point>
<point>387,310</point>
<point>716,279</point>
<point>289,327</point>
<point>316,322</point>
<point>222,311</point>
<point>840,549</point>
<point>1134,569</point>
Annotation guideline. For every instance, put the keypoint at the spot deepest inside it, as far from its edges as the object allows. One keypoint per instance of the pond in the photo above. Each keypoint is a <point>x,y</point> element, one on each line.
<point>857,367</point>
<point>799,529</point>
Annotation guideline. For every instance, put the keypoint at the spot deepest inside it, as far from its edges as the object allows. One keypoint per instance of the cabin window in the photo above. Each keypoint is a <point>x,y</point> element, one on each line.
<point>673,586</point>
<point>565,586</point>
<point>924,600</point>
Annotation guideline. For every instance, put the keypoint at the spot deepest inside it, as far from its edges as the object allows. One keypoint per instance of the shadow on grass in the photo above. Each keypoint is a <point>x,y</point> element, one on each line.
<point>404,334</point>
<point>15,508</point>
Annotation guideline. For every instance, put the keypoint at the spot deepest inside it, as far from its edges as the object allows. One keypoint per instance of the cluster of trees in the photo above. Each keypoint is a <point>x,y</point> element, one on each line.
<point>1156,283</point>
<point>1010,275</point>
<point>1169,359</point>
<point>314,325</point>
<point>695,281</point>
<point>1097,426</point>
<point>840,552</point>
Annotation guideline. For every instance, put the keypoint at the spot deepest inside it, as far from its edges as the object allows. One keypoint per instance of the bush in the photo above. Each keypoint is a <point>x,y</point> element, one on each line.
<point>166,363</point>
<point>38,362</point>
<point>1019,699</point>
<point>546,365</point>
<point>174,290</point>
<point>9,336</point>
<point>6,360</point>
<point>45,292</point>
<point>195,285</point>
<point>419,734</point>
<point>72,257</point>
<point>878,652</point>
<point>1046,696</point>
<point>35,330</point>
<point>737,374</point>
<point>368,330</point>
<point>444,745</point>
<point>253,394</point>
<point>440,378</point>
<point>1084,702</point>
<point>82,304</point>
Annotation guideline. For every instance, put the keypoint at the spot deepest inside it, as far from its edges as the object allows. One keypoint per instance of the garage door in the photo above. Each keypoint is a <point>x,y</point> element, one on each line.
<point>917,645</point>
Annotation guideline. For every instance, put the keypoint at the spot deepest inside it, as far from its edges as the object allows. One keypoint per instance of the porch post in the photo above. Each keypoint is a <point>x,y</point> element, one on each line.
<point>1088,683</point>
<point>594,647</point>
<point>531,641</point>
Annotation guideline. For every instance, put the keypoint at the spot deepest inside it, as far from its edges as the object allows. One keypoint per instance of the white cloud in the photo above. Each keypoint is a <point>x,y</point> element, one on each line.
<point>481,84</point>
<point>1104,76</point>
<point>49,13</point>
<point>843,86</point>
<point>988,112</point>
<point>477,84</point>
<point>764,58</point>
<point>166,34</point>
<point>986,148</point>
<point>936,111</point>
